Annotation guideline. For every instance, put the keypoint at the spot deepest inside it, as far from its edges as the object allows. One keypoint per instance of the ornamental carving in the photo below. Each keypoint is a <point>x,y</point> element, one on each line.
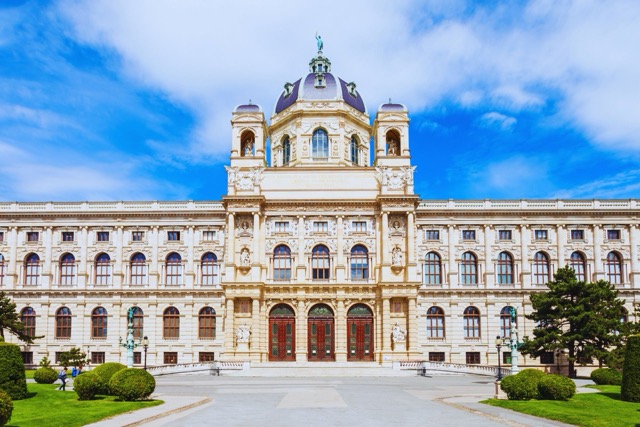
<point>395,178</point>
<point>244,180</point>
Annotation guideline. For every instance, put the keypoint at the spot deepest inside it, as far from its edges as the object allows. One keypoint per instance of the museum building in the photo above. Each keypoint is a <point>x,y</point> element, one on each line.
<point>320,251</point>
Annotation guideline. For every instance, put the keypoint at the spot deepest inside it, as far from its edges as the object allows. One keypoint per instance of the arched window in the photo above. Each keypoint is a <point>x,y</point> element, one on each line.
<point>28,319</point>
<point>173,267</point>
<point>282,263</point>
<point>432,269</point>
<point>63,323</point>
<point>1,269</point>
<point>435,322</point>
<point>505,268</point>
<point>103,269</point>
<point>359,263</point>
<point>207,323</point>
<point>353,149</point>
<point>614,268</point>
<point>471,322</point>
<point>32,270</point>
<point>286,151</point>
<point>320,144</point>
<point>320,258</point>
<point>99,323</point>
<point>578,264</point>
<point>210,269</point>
<point>469,269</point>
<point>138,269</point>
<point>67,269</point>
<point>505,322</point>
<point>138,323</point>
<point>540,268</point>
<point>171,324</point>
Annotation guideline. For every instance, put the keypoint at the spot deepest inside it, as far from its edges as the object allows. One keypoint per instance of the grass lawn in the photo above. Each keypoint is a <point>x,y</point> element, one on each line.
<point>48,407</point>
<point>601,409</point>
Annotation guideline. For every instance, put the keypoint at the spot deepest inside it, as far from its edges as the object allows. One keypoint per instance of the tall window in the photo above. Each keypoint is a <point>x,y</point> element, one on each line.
<point>286,151</point>
<point>138,323</point>
<point>173,267</point>
<point>103,269</point>
<point>320,144</point>
<point>210,269</point>
<point>359,262</point>
<point>138,269</point>
<point>99,323</point>
<point>540,268</point>
<point>67,269</point>
<point>63,323</point>
<point>505,322</point>
<point>32,270</point>
<point>320,262</point>
<point>1,269</point>
<point>614,268</point>
<point>432,269</point>
<point>171,323</point>
<point>207,323</point>
<point>505,268</point>
<point>435,322</point>
<point>471,322</point>
<point>28,319</point>
<point>469,269</point>
<point>578,264</point>
<point>281,263</point>
<point>353,148</point>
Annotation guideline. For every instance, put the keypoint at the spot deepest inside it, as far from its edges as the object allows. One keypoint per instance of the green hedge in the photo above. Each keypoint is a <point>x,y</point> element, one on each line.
<point>630,390</point>
<point>105,372</point>
<point>606,376</point>
<point>87,385</point>
<point>45,375</point>
<point>12,377</point>
<point>534,384</point>
<point>556,387</point>
<point>6,408</point>
<point>132,384</point>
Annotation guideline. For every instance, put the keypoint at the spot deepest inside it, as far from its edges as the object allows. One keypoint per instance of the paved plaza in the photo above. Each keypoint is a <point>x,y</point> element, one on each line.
<point>373,401</point>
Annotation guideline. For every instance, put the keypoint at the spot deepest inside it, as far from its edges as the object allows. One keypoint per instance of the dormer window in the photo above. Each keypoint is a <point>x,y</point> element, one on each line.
<point>320,68</point>
<point>351,87</point>
<point>320,81</point>
<point>288,88</point>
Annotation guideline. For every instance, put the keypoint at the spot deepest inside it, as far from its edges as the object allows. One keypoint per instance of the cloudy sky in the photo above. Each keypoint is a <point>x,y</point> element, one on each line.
<point>131,100</point>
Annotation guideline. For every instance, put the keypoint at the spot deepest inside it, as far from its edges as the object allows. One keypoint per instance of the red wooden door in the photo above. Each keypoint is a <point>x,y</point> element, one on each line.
<point>360,338</point>
<point>321,339</point>
<point>282,338</point>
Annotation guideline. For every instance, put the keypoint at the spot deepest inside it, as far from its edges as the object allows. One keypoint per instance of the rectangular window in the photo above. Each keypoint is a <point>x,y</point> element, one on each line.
<point>468,234</point>
<point>506,357</point>
<point>67,236</point>
<point>282,226</point>
<point>137,358</point>
<point>1,236</point>
<point>397,306</point>
<point>57,357</point>
<point>320,227</point>
<point>27,357</point>
<point>436,356</point>
<point>359,226</point>
<point>210,235</point>
<point>473,357</point>
<point>613,234</point>
<point>504,234</point>
<point>577,234</point>
<point>173,236</point>
<point>170,357</point>
<point>547,358</point>
<point>97,357</point>
<point>243,306</point>
<point>540,234</point>
<point>137,236</point>
<point>102,236</point>
<point>33,236</point>
<point>206,356</point>
<point>432,234</point>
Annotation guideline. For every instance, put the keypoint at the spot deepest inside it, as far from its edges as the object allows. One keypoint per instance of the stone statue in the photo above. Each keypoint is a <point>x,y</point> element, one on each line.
<point>393,148</point>
<point>245,258</point>
<point>243,333</point>
<point>248,147</point>
<point>398,334</point>
<point>319,42</point>
<point>512,313</point>
<point>396,256</point>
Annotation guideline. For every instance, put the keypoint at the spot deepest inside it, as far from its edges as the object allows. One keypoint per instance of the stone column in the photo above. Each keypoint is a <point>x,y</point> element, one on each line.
<point>453,269</point>
<point>524,244</point>
<point>634,274</point>
<point>155,273</point>
<point>229,334</point>
<point>301,333</point>
<point>562,237</point>
<point>119,268</point>
<point>341,332</point>
<point>412,326</point>
<point>489,278</point>
<point>48,269</point>
<point>15,267</point>
<point>384,241</point>
<point>340,261</point>
<point>190,272</point>
<point>231,248</point>
<point>386,325</point>
<point>83,271</point>
<point>411,238</point>
<point>256,330</point>
<point>597,252</point>
<point>301,265</point>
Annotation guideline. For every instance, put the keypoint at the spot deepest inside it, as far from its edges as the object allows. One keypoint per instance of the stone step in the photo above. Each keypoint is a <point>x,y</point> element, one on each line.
<point>319,369</point>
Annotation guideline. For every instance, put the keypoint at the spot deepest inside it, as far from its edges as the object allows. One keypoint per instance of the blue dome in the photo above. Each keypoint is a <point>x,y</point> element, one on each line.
<point>248,108</point>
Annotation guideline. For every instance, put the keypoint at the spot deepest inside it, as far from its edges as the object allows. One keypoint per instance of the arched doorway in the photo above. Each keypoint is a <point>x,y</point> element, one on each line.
<point>282,332</point>
<point>321,333</point>
<point>360,333</point>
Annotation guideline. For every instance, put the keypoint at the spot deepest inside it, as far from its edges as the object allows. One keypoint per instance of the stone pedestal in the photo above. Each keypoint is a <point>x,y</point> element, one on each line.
<point>499,394</point>
<point>242,347</point>
<point>400,346</point>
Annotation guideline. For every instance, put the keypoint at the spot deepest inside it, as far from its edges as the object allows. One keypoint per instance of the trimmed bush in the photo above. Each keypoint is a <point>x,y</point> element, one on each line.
<point>630,390</point>
<point>45,375</point>
<point>6,408</point>
<point>87,385</point>
<point>132,384</point>
<point>556,387</point>
<point>105,372</point>
<point>606,376</point>
<point>12,377</point>
<point>523,385</point>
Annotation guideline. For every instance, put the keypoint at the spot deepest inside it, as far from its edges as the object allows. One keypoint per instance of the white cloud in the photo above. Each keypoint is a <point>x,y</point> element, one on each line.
<point>616,186</point>
<point>495,119</point>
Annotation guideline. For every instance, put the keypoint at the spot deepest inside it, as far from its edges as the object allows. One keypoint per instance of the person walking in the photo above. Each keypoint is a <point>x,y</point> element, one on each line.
<point>62,376</point>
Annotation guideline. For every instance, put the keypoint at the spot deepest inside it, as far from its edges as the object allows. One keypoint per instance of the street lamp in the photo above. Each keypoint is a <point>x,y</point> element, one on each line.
<point>145,346</point>
<point>498,342</point>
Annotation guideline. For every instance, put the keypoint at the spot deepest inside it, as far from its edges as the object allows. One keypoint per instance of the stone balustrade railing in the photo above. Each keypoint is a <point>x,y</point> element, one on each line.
<point>25,207</point>
<point>454,368</point>
<point>524,204</point>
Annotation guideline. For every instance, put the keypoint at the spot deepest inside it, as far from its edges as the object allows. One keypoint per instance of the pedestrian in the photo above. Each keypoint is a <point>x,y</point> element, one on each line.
<point>62,376</point>
<point>74,372</point>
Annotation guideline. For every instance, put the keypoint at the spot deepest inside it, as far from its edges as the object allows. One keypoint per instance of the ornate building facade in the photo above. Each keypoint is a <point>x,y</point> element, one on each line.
<point>320,251</point>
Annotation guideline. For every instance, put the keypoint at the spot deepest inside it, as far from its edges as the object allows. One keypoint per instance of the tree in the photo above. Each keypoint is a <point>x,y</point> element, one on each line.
<point>583,318</point>
<point>74,357</point>
<point>10,320</point>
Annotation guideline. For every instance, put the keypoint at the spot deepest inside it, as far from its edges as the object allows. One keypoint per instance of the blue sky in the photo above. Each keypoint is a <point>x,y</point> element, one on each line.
<point>131,100</point>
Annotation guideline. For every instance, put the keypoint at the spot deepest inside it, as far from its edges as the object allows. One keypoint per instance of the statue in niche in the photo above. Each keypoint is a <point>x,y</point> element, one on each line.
<point>245,258</point>
<point>247,147</point>
<point>396,256</point>
<point>398,334</point>
<point>393,148</point>
<point>243,333</point>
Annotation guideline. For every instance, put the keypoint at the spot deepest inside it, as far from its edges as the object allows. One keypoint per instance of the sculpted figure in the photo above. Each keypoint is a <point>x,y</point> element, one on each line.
<point>243,333</point>
<point>398,334</point>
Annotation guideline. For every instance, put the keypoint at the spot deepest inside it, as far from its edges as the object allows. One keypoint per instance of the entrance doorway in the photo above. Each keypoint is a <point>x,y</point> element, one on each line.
<point>282,330</point>
<point>360,333</point>
<point>321,334</point>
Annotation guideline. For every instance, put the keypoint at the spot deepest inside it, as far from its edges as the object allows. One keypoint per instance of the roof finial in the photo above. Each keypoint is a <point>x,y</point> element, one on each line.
<point>389,100</point>
<point>319,43</point>
<point>250,101</point>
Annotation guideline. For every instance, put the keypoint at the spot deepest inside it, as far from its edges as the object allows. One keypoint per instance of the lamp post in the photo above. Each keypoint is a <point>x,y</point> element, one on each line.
<point>498,342</point>
<point>145,346</point>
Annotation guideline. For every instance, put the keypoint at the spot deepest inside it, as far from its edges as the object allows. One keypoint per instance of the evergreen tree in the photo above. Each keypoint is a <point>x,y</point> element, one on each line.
<point>10,320</point>
<point>583,318</point>
<point>74,357</point>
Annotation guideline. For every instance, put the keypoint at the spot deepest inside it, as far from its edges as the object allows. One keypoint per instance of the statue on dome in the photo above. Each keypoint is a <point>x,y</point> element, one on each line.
<point>319,42</point>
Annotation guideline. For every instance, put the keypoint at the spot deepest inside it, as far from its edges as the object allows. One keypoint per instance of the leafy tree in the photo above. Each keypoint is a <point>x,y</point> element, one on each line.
<point>583,318</point>
<point>74,357</point>
<point>10,320</point>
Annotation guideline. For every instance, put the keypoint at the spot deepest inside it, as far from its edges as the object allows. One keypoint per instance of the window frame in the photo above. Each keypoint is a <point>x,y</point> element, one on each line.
<point>320,144</point>
<point>171,323</point>
<point>359,263</point>
<point>320,263</point>
<point>32,268</point>
<point>102,269</point>
<point>577,259</point>
<point>613,268</point>
<point>541,268</point>
<point>209,269</point>
<point>99,323</point>
<point>436,323</point>
<point>28,319</point>
<point>138,269</point>
<point>173,269</point>
<point>282,263</point>
<point>432,269</point>
<point>207,323</point>
<point>64,323</point>
<point>471,319</point>
<point>505,267</point>
<point>469,269</point>
<point>67,269</point>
